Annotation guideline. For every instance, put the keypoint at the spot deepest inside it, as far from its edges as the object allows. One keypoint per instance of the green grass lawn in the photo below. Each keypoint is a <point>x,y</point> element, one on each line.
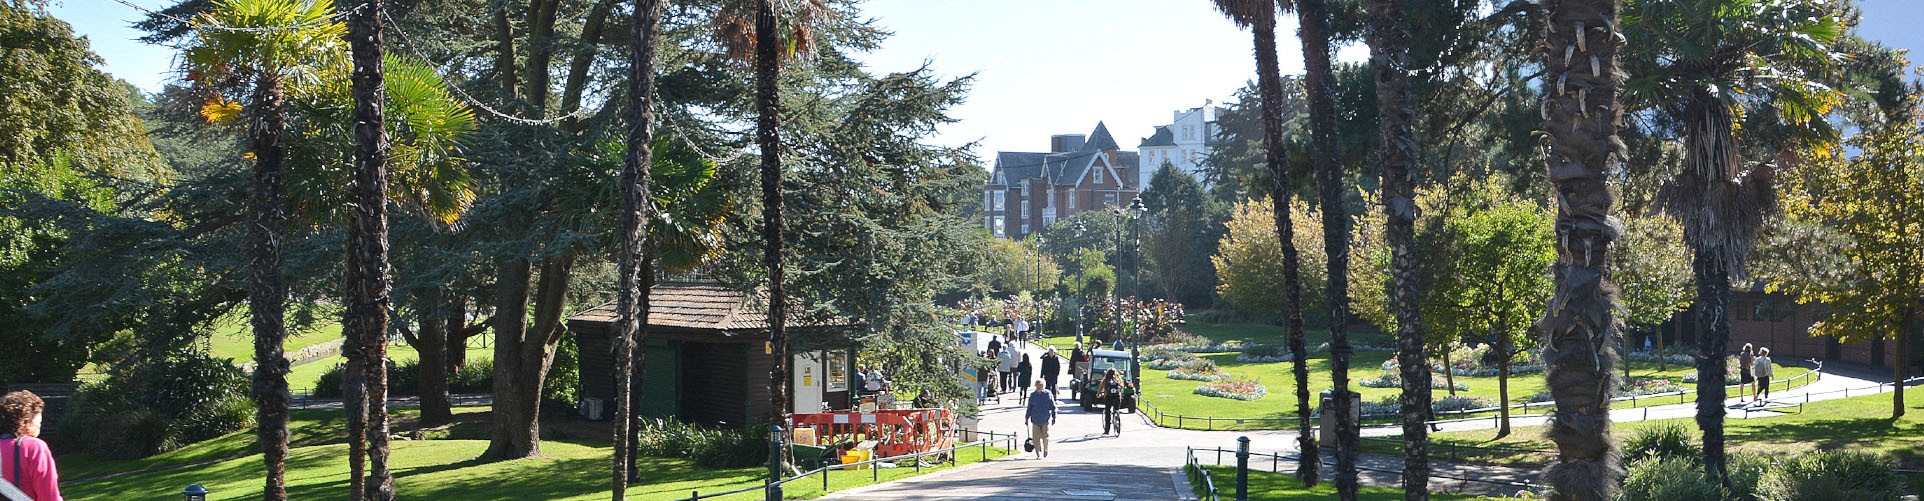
<point>304,375</point>
<point>1177,397</point>
<point>432,469</point>
<point>1859,423</point>
<point>1266,486</point>
<point>233,338</point>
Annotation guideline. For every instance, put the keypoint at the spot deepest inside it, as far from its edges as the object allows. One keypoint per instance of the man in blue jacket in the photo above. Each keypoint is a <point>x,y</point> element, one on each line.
<point>1041,414</point>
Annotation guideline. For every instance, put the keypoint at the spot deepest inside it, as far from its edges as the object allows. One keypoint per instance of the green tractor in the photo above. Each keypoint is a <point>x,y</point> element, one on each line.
<point>1089,381</point>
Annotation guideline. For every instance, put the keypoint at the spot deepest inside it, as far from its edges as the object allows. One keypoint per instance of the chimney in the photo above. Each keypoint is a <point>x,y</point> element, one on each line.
<point>1064,143</point>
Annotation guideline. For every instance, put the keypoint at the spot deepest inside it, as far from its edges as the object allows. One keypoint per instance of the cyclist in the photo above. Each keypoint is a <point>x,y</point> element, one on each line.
<point>1111,394</point>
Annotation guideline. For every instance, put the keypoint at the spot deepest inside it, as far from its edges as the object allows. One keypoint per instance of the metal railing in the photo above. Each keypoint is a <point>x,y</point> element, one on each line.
<point>1159,418</point>
<point>1007,439</point>
<point>1276,459</point>
<point>1454,452</point>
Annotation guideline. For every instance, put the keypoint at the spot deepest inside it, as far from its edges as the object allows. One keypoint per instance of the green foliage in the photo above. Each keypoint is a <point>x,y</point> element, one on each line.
<point>1500,270</point>
<point>1185,224</point>
<point>1669,479</point>
<point>1831,475</point>
<point>1093,279</point>
<point>561,390</point>
<point>156,407</point>
<point>1651,267</point>
<point>1249,263</point>
<point>404,379</point>
<point>1662,441</point>
<point>1013,267</point>
<point>707,447</point>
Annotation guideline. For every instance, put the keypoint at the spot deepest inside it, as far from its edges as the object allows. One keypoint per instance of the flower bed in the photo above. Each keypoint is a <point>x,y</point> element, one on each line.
<point>1394,380</point>
<point>1202,365</point>
<point>1471,369</point>
<point>1236,387</point>
<point>1683,359</point>
<point>1188,374</point>
<point>1638,387</point>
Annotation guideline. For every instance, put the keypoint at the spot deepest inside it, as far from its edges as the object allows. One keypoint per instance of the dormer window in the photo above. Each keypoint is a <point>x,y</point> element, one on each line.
<point>1098,176</point>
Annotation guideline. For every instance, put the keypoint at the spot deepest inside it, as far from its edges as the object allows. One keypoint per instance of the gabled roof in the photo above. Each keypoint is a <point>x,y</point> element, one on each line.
<point>696,305</point>
<point>1099,140</point>
<point>1066,169</point>
<point>1162,137</point>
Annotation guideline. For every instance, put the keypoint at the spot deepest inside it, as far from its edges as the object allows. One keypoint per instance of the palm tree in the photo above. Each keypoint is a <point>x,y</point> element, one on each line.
<point>1313,21</point>
<point>1580,123</point>
<point>636,273</point>
<point>1389,39</point>
<point>769,46</point>
<point>368,283</point>
<point>1260,17</point>
<point>264,43</point>
<point>1707,66</point>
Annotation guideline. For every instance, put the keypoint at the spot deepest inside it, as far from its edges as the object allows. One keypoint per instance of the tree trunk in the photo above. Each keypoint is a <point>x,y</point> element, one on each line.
<point>458,331</point>
<point>1502,384</point>
<point>1449,375</point>
<point>1389,40</point>
<point>1713,301</point>
<point>1903,360</point>
<point>368,299</point>
<point>436,408</point>
<point>1270,84</point>
<point>266,288</point>
<point>767,111</point>
<point>1580,121</point>
<point>632,303</point>
<point>1313,16</point>
<point>510,325</point>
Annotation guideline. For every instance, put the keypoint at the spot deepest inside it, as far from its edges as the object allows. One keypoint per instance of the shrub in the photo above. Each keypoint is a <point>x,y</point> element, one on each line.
<point>157,407</point>
<point>1238,388</point>
<point>1745,471</point>
<point>1461,403</point>
<point>1662,441</point>
<point>1831,475</point>
<point>1264,353</point>
<point>1542,396</point>
<point>1395,380</point>
<point>1669,479</point>
<point>1637,387</point>
<point>707,447</point>
<point>1167,354</point>
<point>1201,365</point>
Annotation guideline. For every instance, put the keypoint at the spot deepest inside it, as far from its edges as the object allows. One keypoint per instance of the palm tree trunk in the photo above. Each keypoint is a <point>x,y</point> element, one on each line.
<point>1321,82</point>
<point>1713,300</point>
<point>1270,84</point>
<point>368,298</point>
<point>266,288</point>
<point>767,111</point>
<point>1389,40</point>
<point>633,301</point>
<point>1581,113</point>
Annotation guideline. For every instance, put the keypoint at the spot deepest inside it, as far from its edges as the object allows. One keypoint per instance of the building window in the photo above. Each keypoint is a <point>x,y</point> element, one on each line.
<point>1049,198</point>
<point>988,201</point>
<point>1072,199</point>
<point>998,228</point>
<point>1024,211</point>
<point>1098,176</point>
<point>837,371</point>
<point>1025,228</point>
<point>1048,220</point>
<point>999,197</point>
<point>1109,198</point>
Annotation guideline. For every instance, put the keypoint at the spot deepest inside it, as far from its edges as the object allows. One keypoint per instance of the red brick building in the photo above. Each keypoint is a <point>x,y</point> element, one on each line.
<point>1028,191</point>
<point>1778,322</point>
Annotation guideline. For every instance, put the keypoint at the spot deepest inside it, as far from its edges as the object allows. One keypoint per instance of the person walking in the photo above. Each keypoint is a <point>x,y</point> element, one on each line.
<point>28,463</point>
<point>1762,371</point>
<point>1024,372</point>
<point>1040,416</point>
<point>995,344</point>
<point>1007,365</point>
<point>1745,359</point>
<point>1051,367</point>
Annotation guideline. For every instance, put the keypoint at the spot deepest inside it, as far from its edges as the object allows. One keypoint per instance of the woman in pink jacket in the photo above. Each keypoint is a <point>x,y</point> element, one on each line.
<point>25,460</point>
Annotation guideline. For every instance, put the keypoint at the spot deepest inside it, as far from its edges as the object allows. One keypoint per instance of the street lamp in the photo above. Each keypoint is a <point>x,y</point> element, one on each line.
<point>1135,348</point>
<point>194,492</point>
<point>1038,274</point>
<point>1079,286</point>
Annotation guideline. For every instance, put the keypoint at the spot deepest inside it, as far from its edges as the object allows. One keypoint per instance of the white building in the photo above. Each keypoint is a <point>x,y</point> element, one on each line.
<point>1185,142</point>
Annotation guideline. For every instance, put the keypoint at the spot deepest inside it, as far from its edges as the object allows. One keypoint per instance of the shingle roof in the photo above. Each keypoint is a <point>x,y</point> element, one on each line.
<point>1162,137</point>
<point>708,306</point>
<point>1016,166</point>
<point>1100,140</point>
<point>1066,168</point>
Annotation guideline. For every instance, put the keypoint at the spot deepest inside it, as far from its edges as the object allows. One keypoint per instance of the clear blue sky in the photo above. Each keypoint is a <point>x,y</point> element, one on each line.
<point>1043,66</point>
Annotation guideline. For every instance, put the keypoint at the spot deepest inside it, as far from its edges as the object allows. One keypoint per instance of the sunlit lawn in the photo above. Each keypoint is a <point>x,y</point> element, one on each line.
<point>234,338</point>
<point>304,375</point>
<point>1266,486</point>
<point>1861,423</point>
<point>433,469</point>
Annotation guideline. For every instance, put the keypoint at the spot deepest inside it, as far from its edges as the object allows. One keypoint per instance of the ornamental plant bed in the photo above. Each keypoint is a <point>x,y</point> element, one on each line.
<point>1238,388</point>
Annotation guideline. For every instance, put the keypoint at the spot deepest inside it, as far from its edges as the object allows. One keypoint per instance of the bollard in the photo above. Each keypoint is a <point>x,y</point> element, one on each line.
<point>774,491</point>
<point>1242,468</point>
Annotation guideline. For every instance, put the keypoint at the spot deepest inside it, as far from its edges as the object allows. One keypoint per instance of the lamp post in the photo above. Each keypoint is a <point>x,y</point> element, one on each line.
<point>1079,290</point>
<point>1038,274</point>
<point>194,492</point>
<point>1138,212</point>
<point>1117,290</point>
